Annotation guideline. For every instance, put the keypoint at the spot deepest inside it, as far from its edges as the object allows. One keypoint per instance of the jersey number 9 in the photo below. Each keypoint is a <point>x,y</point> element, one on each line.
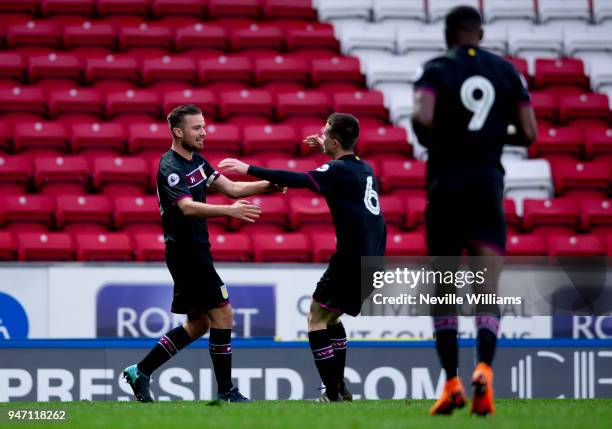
<point>480,106</point>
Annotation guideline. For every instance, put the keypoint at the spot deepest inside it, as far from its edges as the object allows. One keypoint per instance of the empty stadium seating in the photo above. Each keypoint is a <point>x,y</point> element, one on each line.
<point>85,87</point>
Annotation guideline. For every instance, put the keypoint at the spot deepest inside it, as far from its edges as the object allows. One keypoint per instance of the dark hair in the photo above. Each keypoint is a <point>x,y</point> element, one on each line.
<point>344,127</point>
<point>462,19</point>
<point>175,118</point>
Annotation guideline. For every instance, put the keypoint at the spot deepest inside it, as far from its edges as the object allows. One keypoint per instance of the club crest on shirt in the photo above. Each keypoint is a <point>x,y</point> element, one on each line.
<point>323,168</point>
<point>173,179</point>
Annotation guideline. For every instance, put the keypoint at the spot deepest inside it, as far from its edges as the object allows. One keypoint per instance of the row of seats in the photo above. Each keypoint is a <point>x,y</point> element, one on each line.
<point>573,142</point>
<point>154,138</point>
<point>260,247</point>
<point>171,34</point>
<point>544,11</point>
<point>269,9</point>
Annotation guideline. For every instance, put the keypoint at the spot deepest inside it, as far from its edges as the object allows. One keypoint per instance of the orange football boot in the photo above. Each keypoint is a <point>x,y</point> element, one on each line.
<point>482,384</point>
<point>452,397</point>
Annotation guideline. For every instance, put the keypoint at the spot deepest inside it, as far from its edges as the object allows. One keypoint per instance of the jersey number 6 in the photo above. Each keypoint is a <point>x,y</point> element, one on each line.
<point>371,198</point>
<point>480,106</point>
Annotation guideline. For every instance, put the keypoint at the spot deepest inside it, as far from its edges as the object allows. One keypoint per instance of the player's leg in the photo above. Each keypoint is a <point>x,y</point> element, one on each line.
<point>487,325</point>
<point>337,336</point>
<point>220,347</point>
<point>322,349</point>
<point>138,376</point>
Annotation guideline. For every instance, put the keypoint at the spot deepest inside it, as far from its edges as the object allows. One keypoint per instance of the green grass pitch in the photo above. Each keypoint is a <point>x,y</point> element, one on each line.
<point>408,414</point>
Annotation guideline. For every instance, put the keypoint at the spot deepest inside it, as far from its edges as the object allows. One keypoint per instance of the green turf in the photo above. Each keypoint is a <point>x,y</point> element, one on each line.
<point>557,414</point>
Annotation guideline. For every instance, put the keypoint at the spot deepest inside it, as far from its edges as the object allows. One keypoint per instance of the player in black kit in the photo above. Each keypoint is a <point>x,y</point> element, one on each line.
<point>468,104</point>
<point>351,191</point>
<point>183,179</point>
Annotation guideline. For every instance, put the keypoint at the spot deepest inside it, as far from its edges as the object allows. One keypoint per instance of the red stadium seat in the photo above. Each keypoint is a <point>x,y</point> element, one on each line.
<point>15,172</point>
<point>308,211</point>
<point>596,215</point>
<point>8,247</point>
<point>550,215</point>
<point>140,101</point>
<point>12,66</point>
<point>231,247</point>
<point>296,165</point>
<point>555,142</point>
<point>123,7</point>
<point>26,212</point>
<point>6,136</point>
<point>111,67</point>
<point>223,138</point>
<point>254,102</point>
<point>22,6</point>
<point>598,142</point>
<point>314,104</point>
<point>61,175</point>
<point>145,35</point>
<point>336,70</point>
<point>526,245</point>
<point>153,136</point>
<point>568,72</point>
<point>234,9</point>
<point>593,177</point>
<point>103,247</point>
<point>83,213</point>
<point>195,8</point>
<point>415,212</point>
<point>576,245</point>
<point>323,246</point>
<point>41,135</point>
<point>168,68</point>
<point>384,139</point>
<point>546,105</point>
<point>361,104</point>
<point>77,7</point>
<point>89,34</point>
<point>274,213</point>
<point>584,106</point>
<point>269,138</point>
<point>289,247</point>
<point>201,36</point>
<point>512,219</point>
<point>124,176</point>
<point>81,100</point>
<point>38,33</point>
<point>137,214</point>
<point>98,136</point>
<point>257,36</point>
<point>396,174</point>
<point>47,246</point>
<point>224,68</point>
<point>311,35</point>
<point>394,210</point>
<point>149,247</point>
<point>28,99</point>
<point>206,100</point>
<point>406,244</point>
<point>295,9</point>
<point>281,69</point>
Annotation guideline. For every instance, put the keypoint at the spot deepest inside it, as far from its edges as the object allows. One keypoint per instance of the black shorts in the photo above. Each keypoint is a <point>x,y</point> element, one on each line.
<point>339,289</point>
<point>457,220</point>
<point>197,286</point>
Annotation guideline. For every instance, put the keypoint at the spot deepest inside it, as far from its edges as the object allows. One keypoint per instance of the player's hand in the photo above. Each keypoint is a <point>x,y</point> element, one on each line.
<point>245,211</point>
<point>274,188</point>
<point>234,165</point>
<point>314,142</point>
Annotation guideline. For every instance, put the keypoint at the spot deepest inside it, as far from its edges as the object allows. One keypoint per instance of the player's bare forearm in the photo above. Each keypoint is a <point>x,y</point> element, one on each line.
<point>281,177</point>
<point>192,208</point>
<point>246,189</point>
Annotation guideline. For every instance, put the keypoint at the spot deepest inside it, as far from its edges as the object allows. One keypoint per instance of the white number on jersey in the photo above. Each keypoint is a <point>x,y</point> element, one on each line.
<point>371,198</point>
<point>479,107</point>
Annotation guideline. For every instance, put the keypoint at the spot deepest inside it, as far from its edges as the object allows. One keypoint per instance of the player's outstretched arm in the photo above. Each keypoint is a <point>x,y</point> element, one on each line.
<point>244,189</point>
<point>241,209</point>
<point>281,177</point>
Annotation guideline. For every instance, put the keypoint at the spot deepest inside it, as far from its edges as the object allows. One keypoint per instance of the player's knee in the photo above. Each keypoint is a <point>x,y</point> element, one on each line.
<point>222,317</point>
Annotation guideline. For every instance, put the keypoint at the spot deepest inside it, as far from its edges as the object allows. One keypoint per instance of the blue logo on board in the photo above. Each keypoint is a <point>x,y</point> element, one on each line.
<point>13,318</point>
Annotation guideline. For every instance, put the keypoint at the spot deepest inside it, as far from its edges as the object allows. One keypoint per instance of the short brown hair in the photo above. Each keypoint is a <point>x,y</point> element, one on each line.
<point>175,118</point>
<point>344,127</point>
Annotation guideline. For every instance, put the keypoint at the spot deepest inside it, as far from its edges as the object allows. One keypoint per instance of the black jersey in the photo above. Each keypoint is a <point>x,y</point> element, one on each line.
<point>179,178</point>
<point>351,191</point>
<point>477,94</point>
